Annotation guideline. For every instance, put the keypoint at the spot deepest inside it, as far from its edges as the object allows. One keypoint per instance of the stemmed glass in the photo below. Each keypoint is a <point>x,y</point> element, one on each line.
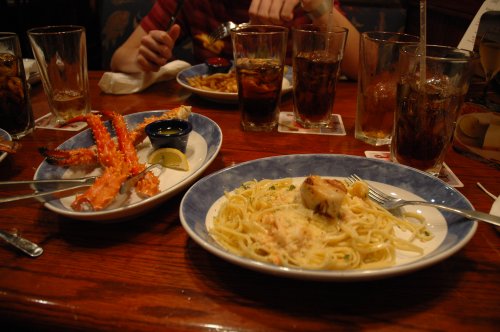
<point>489,52</point>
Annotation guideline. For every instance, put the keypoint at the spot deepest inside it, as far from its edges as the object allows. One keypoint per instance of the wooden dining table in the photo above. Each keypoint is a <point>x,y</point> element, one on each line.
<point>148,274</point>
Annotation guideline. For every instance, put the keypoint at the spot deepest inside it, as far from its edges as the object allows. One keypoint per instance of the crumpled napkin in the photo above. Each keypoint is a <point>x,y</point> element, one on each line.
<point>31,70</point>
<point>120,83</point>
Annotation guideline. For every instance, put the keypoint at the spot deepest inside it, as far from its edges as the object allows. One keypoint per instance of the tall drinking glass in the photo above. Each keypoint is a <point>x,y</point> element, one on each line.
<point>377,82</point>
<point>61,54</point>
<point>259,56</point>
<point>317,54</point>
<point>427,112</point>
<point>16,116</point>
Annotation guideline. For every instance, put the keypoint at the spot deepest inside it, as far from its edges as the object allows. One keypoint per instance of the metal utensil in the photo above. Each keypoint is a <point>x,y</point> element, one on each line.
<point>82,183</point>
<point>391,203</point>
<point>131,181</point>
<point>224,30</point>
<point>56,193</point>
<point>26,246</point>
<point>180,4</point>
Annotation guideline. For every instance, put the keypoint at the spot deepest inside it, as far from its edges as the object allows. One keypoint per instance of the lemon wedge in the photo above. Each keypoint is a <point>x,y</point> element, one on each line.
<point>170,158</point>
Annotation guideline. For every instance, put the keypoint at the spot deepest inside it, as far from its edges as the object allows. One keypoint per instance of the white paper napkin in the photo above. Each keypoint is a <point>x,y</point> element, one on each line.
<point>120,83</point>
<point>495,208</point>
<point>31,70</point>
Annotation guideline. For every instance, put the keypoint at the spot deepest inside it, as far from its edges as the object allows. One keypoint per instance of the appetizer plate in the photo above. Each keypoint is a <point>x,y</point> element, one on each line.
<point>5,136</point>
<point>203,145</point>
<point>225,97</point>
<point>452,232</point>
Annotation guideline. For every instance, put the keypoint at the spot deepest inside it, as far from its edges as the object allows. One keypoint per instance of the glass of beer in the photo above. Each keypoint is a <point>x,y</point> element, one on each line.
<point>61,54</point>
<point>317,54</point>
<point>428,107</point>
<point>259,57</point>
<point>16,116</point>
<point>377,82</point>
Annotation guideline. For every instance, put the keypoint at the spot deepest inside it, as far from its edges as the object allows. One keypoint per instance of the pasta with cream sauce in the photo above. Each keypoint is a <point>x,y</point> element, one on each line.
<point>267,221</point>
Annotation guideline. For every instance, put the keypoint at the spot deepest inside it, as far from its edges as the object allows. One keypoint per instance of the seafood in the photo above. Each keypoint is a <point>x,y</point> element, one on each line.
<point>323,195</point>
<point>82,156</point>
<point>88,156</point>
<point>116,170</point>
<point>8,146</point>
<point>148,185</point>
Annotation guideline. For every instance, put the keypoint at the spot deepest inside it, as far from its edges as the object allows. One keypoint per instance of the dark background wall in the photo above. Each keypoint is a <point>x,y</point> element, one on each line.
<point>109,22</point>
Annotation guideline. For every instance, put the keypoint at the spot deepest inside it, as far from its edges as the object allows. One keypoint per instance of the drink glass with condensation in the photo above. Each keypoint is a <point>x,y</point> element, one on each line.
<point>16,116</point>
<point>259,58</point>
<point>61,54</point>
<point>426,114</point>
<point>377,82</point>
<point>317,54</point>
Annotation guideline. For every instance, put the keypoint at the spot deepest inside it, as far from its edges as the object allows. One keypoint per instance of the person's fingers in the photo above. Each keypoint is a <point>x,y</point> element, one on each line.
<point>174,32</point>
<point>156,48</point>
<point>149,60</point>
<point>253,11</point>
<point>287,10</point>
<point>271,11</point>
<point>152,54</point>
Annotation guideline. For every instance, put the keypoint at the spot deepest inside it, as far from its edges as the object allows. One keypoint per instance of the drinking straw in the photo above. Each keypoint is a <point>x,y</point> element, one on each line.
<point>422,51</point>
<point>329,27</point>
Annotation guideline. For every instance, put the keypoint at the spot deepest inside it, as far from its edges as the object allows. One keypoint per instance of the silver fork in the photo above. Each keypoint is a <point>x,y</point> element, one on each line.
<point>391,203</point>
<point>223,30</point>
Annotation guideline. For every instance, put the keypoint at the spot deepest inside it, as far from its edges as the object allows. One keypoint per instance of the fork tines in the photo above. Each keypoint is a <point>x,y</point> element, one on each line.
<point>218,33</point>
<point>373,192</point>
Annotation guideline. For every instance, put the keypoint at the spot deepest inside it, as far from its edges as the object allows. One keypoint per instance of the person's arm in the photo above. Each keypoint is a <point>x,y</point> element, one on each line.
<point>144,51</point>
<point>350,62</point>
<point>279,11</point>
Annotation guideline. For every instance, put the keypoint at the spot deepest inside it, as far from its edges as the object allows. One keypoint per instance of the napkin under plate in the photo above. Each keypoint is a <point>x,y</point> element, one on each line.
<point>121,83</point>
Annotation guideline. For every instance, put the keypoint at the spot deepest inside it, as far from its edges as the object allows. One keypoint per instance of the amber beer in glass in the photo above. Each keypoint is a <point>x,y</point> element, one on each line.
<point>61,54</point>
<point>377,84</point>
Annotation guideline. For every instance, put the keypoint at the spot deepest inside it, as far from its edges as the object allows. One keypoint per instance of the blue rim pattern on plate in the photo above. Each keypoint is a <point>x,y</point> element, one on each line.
<point>6,136</point>
<point>204,126</point>
<point>200,197</point>
<point>202,69</point>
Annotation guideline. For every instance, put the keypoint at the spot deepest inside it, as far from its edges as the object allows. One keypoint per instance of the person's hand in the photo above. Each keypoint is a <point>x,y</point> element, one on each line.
<point>156,48</point>
<point>272,11</point>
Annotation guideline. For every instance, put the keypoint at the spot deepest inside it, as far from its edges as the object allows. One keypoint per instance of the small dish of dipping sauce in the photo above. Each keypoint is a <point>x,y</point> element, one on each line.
<point>172,133</point>
<point>218,65</point>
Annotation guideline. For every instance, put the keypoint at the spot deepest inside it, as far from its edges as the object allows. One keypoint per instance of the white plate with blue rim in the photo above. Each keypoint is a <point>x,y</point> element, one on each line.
<point>451,232</point>
<point>203,146</point>
<point>6,137</point>
<point>223,97</point>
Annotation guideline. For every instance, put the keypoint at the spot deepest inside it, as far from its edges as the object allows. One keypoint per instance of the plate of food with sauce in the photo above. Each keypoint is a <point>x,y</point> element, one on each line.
<point>270,215</point>
<point>220,86</point>
<point>102,201</point>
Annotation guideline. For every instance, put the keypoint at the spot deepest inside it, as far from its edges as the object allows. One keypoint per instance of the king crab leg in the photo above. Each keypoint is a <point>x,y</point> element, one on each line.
<point>88,156</point>
<point>116,170</point>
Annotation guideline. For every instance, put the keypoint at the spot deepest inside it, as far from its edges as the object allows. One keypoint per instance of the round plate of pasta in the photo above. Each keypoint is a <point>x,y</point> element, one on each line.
<point>220,87</point>
<point>270,215</point>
